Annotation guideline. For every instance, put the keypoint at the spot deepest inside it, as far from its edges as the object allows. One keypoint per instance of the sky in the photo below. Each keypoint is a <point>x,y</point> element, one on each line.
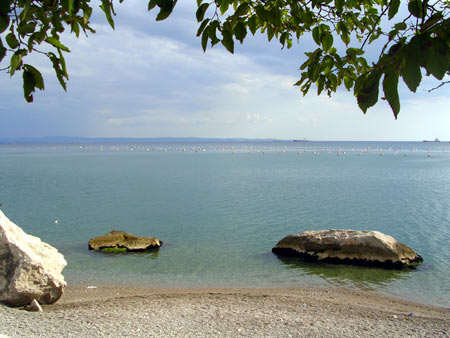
<point>152,79</point>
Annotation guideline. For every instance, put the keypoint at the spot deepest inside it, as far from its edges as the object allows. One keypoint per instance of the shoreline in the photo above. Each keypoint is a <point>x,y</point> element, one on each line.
<point>104,311</point>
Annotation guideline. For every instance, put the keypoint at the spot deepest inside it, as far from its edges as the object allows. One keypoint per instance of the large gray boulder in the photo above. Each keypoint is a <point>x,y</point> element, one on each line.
<point>371,248</point>
<point>121,241</point>
<point>29,268</point>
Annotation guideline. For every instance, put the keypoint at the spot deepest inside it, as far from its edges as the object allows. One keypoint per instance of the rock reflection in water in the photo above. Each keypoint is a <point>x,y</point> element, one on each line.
<point>366,278</point>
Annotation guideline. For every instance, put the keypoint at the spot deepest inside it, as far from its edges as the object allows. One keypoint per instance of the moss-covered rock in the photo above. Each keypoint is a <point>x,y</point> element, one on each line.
<point>121,241</point>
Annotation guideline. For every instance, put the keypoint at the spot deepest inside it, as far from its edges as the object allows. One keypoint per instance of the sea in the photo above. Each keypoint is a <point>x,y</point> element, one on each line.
<point>220,207</point>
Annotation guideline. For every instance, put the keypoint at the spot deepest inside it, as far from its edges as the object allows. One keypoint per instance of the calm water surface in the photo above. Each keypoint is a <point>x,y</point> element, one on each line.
<point>219,208</point>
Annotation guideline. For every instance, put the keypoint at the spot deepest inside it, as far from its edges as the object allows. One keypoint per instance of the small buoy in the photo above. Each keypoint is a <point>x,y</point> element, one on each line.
<point>56,221</point>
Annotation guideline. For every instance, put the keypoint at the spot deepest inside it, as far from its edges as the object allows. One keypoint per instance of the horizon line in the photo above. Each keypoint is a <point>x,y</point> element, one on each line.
<point>81,139</point>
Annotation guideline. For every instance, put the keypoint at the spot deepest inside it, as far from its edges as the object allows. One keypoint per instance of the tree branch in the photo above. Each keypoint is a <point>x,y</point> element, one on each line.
<point>375,26</point>
<point>442,84</point>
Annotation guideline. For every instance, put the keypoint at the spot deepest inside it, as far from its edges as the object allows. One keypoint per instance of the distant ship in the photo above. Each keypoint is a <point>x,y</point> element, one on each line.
<point>435,140</point>
<point>304,140</point>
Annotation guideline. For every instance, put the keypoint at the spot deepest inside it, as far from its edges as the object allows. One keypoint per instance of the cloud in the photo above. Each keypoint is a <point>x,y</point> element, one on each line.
<point>148,78</point>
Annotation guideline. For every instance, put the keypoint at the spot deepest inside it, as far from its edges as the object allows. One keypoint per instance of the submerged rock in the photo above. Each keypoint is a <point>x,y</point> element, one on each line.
<point>29,268</point>
<point>120,241</point>
<point>371,248</point>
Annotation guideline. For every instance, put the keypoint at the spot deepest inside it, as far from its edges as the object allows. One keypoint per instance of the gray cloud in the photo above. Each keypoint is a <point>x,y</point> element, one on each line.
<point>149,79</point>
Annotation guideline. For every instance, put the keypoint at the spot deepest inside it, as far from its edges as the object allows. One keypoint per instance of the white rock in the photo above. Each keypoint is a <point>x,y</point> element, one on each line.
<point>34,306</point>
<point>29,268</point>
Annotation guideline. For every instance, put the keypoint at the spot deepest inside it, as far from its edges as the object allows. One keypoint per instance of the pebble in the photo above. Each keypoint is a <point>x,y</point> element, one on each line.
<point>250,313</point>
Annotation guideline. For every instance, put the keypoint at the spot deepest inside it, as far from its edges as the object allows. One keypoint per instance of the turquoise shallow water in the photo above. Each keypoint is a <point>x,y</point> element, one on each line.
<point>219,208</point>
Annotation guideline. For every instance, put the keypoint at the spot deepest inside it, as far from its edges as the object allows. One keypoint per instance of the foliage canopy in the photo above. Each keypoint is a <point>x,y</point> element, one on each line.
<point>412,38</point>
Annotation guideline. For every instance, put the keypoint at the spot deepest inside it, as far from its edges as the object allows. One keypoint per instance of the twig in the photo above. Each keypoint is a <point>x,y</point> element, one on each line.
<point>375,26</point>
<point>442,84</point>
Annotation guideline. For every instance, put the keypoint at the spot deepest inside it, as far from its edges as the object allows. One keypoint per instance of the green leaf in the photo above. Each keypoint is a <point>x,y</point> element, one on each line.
<point>71,6</point>
<point>201,11</point>
<point>348,82</point>
<point>240,31</point>
<point>416,8</point>
<point>213,26</point>
<point>313,71</point>
<point>106,8</point>
<point>62,62</point>
<point>12,40</point>
<point>261,13</point>
<point>65,5</point>
<point>437,64</point>
<point>75,28</point>
<point>401,26</point>
<point>327,42</point>
<point>393,8</point>
<point>24,13</point>
<point>435,18</point>
<point>38,80</point>
<point>241,10</point>
<point>32,79</point>
<point>2,50</point>
<point>56,43</point>
<point>16,62</point>
<point>375,35</point>
<point>5,5</point>
<point>419,48</point>
<point>353,52</point>
<point>152,4</point>
<point>316,35</point>
<point>320,84</point>
<point>58,71</point>
<point>390,88</point>
<point>327,64</point>
<point>270,33</point>
<point>227,41</point>
<point>289,42</point>
<point>28,85</point>
<point>87,12</point>
<point>202,27</point>
<point>367,90</point>
<point>4,22</point>
<point>282,38</point>
<point>60,77</point>
<point>339,5</point>
<point>31,42</point>
<point>205,37</point>
<point>252,24</point>
<point>166,7</point>
<point>224,4</point>
<point>411,73</point>
<point>305,88</point>
<point>345,38</point>
<point>392,34</point>
<point>26,29</point>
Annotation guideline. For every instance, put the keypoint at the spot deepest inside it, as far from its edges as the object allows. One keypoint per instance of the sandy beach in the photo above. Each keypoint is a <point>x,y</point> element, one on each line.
<point>86,311</point>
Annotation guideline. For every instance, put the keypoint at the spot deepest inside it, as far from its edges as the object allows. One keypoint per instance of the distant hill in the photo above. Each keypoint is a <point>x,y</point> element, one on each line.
<point>68,139</point>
